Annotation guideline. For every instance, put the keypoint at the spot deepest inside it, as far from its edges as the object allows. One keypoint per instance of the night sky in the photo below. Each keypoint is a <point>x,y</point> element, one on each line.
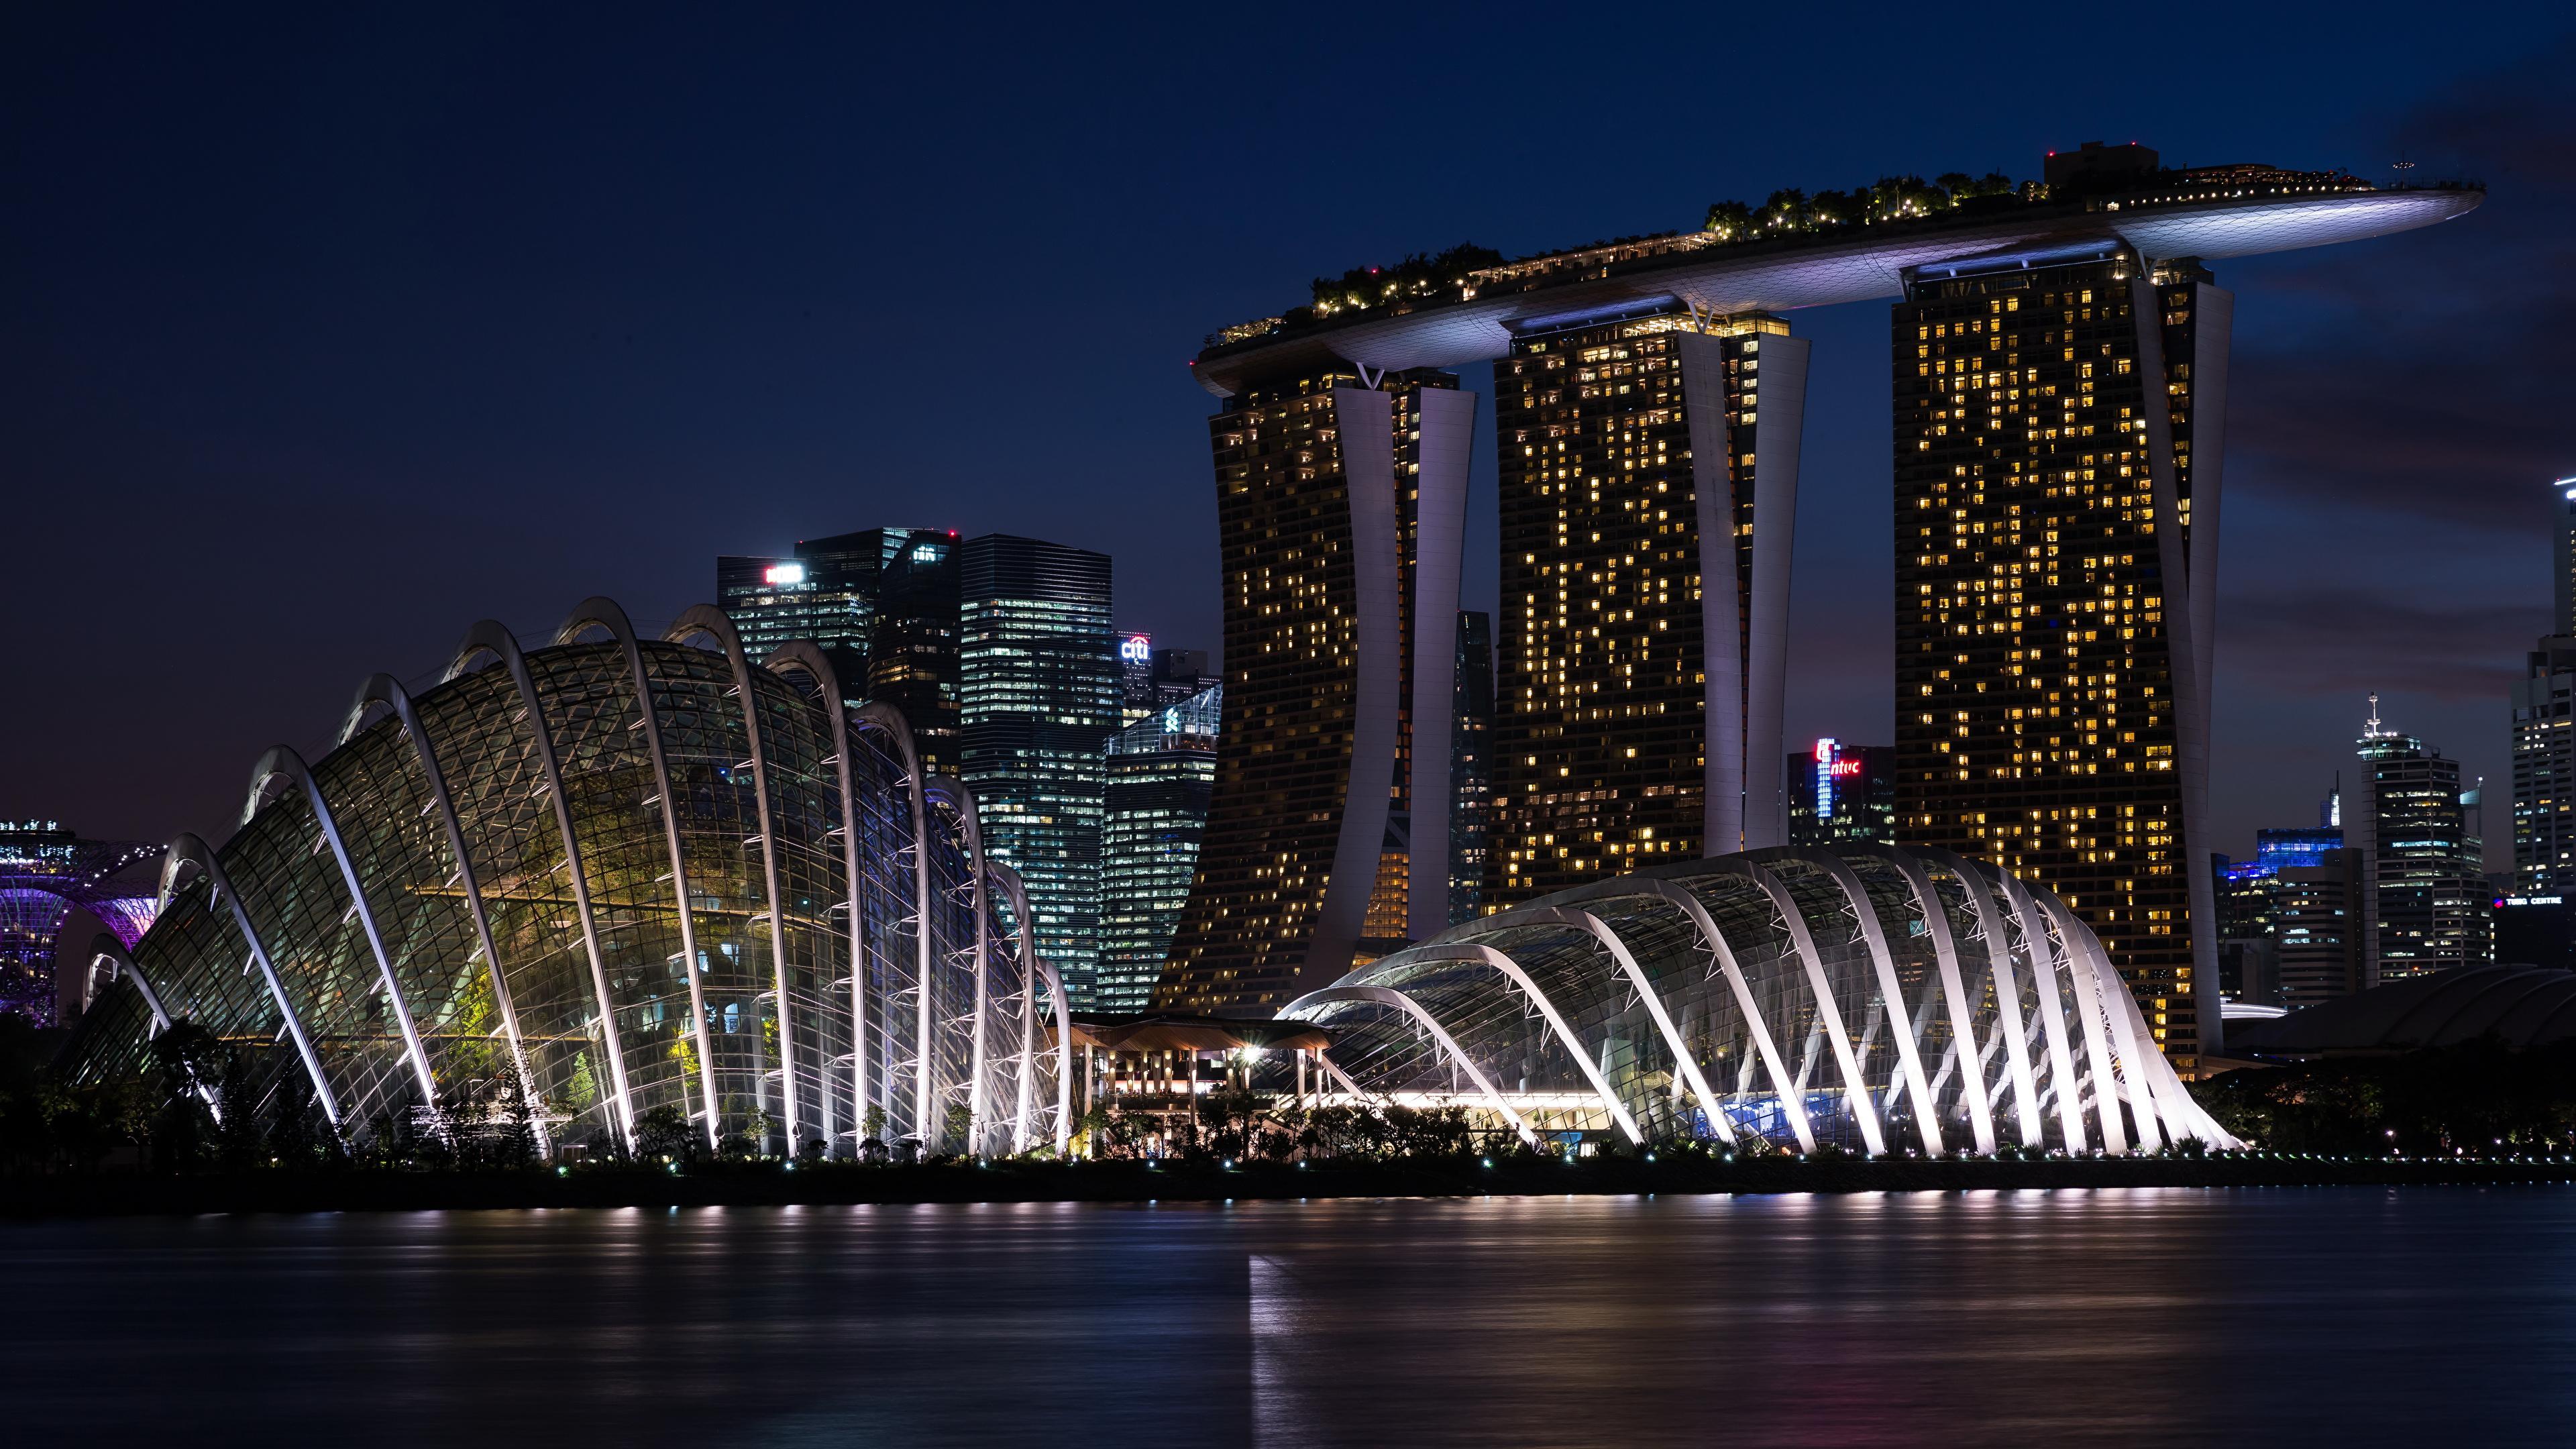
<point>328,333</point>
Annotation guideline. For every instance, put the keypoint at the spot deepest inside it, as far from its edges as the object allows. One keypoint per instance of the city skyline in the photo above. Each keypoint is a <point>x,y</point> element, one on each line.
<point>2268,728</point>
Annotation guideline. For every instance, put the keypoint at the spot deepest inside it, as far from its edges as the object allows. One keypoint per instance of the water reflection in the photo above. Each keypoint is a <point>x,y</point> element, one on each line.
<point>2023,1317</point>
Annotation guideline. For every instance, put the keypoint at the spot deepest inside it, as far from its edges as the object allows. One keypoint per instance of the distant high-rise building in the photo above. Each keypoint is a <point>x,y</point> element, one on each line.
<point>2563,576</point>
<point>2544,770</point>
<point>1160,773</point>
<point>2317,928</point>
<point>1038,699</point>
<point>1840,792</point>
<point>1135,677</point>
<point>1471,767</point>
<point>2056,590</point>
<point>2294,872</point>
<point>1151,680</point>
<point>2424,897</point>
<point>1649,474</point>
<point>826,591</point>
<point>913,646</point>
<point>1341,516</point>
<point>46,872</point>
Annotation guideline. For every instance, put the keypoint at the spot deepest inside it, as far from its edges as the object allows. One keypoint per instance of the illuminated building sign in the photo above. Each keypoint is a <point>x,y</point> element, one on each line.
<point>1136,650</point>
<point>1829,765</point>
<point>786,573</point>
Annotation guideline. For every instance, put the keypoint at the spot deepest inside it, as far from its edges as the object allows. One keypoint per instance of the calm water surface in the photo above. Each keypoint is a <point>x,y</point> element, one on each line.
<point>2173,1316</point>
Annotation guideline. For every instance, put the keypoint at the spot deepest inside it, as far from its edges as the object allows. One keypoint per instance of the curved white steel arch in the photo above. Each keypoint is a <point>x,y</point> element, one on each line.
<point>284,761</point>
<point>1954,991</point>
<point>1828,1011</point>
<point>2105,983</point>
<point>1973,876</point>
<point>489,637</point>
<point>961,803</point>
<point>1482,955</point>
<point>1927,1116</point>
<point>1064,1056</point>
<point>1381,996</point>
<point>710,621</point>
<point>384,689</point>
<point>2051,1009</point>
<point>804,654</point>
<point>1626,961</point>
<point>1793,1104</point>
<point>188,849</point>
<point>889,721</point>
<point>600,613</point>
<point>1017,892</point>
<point>107,948</point>
<point>2089,1022</point>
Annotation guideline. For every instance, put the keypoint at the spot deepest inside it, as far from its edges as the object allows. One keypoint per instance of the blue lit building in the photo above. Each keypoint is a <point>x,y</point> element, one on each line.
<point>1161,772</point>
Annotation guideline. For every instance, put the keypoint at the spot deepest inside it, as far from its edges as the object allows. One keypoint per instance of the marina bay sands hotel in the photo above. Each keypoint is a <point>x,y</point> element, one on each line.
<point>2060,356</point>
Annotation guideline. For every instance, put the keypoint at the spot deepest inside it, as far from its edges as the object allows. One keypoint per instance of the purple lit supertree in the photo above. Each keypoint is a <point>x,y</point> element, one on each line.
<point>45,871</point>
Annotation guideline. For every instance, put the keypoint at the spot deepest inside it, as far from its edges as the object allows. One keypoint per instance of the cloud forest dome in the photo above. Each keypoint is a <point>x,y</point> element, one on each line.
<point>1874,998</point>
<point>600,867</point>
<point>1462,306</point>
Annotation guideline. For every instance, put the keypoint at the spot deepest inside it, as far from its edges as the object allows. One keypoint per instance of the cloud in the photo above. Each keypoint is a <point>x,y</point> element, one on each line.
<point>2348,642</point>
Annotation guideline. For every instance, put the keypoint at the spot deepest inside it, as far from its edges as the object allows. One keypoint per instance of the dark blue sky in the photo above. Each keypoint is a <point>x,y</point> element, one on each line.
<point>329,333</point>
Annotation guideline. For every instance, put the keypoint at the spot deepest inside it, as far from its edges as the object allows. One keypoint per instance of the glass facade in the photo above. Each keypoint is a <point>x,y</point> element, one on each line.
<point>637,877</point>
<point>1039,696</point>
<point>1873,998</point>
<point>826,592</point>
<point>1471,767</point>
<point>2426,903</point>
<point>2039,685</point>
<point>1161,772</point>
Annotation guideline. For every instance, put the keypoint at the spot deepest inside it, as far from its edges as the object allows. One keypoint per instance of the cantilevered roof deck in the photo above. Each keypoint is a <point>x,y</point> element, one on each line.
<point>1854,264</point>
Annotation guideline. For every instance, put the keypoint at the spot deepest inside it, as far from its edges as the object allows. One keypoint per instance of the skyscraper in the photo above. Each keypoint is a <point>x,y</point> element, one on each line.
<point>1840,792</point>
<point>826,591</point>
<point>2424,895</point>
<point>2316,919</point>
<point>2544,770</point>
<point>1038,698</point>
<point>1341,511</point>
<point>1471,767</point>
<point>913,645</point>
<point>1648,465</point>
<point>2056,580</point>
<point>1161,771</point>
<point>2563,575</point>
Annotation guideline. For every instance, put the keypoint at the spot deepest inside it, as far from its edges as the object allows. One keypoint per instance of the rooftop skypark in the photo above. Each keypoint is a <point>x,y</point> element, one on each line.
<point>1895,221</point>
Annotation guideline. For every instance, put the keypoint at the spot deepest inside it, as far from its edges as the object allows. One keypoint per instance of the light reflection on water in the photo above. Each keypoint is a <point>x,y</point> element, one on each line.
<point>2027,1317</point>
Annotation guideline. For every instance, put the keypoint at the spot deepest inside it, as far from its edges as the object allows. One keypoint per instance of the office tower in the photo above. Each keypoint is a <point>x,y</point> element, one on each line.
<point>1038,698</point>
<point>2536,931</point>
<point>2563,575</point>
<point>1648,468</point>
<point>2424,898</point>
<point>2544,770</point>
<point>2317,913</point>
<point>2055,543</point>
<point>1181,674</point>
<point>1840,792</point>
<point>1135,677</point>
<point>45,873</point>
<point>1151,680</point>
<point>826,591</point>
<point>1471,772</point>
<point>913,645</point>
<point>1161,771</point>
<point>1341,510</point>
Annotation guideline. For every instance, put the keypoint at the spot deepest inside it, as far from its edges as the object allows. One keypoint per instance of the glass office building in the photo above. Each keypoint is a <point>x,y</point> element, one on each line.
<point>1161,772</point>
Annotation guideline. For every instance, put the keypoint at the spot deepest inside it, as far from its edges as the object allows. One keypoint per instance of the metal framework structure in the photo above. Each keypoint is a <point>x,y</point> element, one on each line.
<point>641,876</point>
<point>45,873</point>
<point>1876,998</point>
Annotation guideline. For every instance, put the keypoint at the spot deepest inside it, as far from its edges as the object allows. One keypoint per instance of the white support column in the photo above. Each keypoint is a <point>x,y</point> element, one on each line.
<point>1954,991</point>
<point>1782,414</point>
<point>1574,1047</point>
<point>384,689</point>
<point>804,655</point>
<point>603,614</point>
<point>2083,1034</point>
<point>2103,984</point>
<point>1365,421</point>
<point>1018,894</point>
<point>1381,996</point>
<point>961,801</point>
<point>190,850</point>
<point>1599,930</point>
<point>280,760</point>
<point>703,619</point>
<point>1448,418</point>
<point>1829,1013</point>
<point>1721,591</point>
